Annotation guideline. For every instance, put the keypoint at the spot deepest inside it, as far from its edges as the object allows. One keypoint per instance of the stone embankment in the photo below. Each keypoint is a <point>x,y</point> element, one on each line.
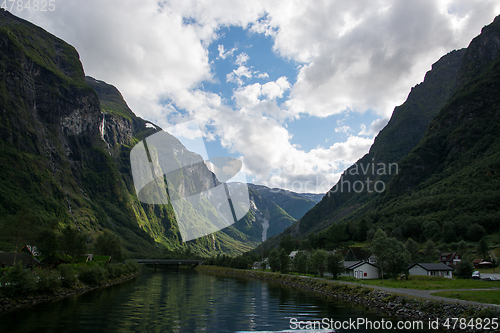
<point>15,303</point>
<point>398,305</point>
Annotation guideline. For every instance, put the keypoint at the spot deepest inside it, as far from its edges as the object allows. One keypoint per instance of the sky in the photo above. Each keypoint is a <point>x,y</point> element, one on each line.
<point>297,90</point>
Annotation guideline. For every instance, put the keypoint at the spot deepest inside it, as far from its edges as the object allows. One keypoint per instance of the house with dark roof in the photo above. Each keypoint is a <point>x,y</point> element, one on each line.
<point>31,250</point>
<point>431,269</point>
<point>9,258</point>
<point>451,258</point>
<point>357,254</point>
<point>480,263</point>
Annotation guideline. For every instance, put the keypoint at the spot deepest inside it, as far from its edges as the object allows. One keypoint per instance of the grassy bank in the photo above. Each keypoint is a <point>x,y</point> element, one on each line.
<point>482,296</point>
<point>431,283</point>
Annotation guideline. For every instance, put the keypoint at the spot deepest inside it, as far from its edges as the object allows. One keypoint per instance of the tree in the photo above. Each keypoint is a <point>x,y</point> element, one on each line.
<point>72,242</point>
<point>464,268</point>
<point>300,262</point>
<point>461,248</point>
<point>18,230</point>
<point>318,262</point>
<point>431,230</point>
<point>397,233</point>
<point>362,231</point>
<point>109,245</point>
<point>335,264</point>
<point>370,234</point>
<point>475,232</point>
<point>274,261</point>
<point>284,261</point>
<point>430,251</point>
<point>412,248</point>
<point>483,248</point>
<point>287,243</point>
<point>47,245</point>
<point>391,255</point>
<point>396,258</point>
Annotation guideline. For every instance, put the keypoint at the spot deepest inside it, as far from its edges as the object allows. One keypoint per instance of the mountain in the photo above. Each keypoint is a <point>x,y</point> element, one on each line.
<point>65,149</point>
<point>295,204</point>
<point>445,140</point>
<point>402,133</point>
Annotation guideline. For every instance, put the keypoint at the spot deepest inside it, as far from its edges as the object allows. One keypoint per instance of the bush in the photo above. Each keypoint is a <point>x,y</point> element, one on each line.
<point>68,275</point>
<point>115,270</point>
<point>132,267</point>
<point>48,281</point>
<point>92,275</point>
<point>18,281</point>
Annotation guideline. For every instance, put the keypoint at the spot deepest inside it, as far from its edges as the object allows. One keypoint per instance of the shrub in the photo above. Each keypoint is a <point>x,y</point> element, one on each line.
<point>115,270</point>
<point>132,267</point>
<point>48,281</point>
<point>92,275</point>
<point>68,275</point>
<point>18,281</point>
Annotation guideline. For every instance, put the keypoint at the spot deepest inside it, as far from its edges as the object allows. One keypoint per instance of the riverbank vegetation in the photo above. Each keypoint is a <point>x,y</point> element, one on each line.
<point>19,282</point>
<point>422,282</point>
<point>481,296</point>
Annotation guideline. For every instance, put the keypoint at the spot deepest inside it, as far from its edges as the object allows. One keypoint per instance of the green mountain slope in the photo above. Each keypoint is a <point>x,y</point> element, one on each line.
<point>65,143</point>
<point>403,132</point>
<point>295,204</point>
<point>448,187</point>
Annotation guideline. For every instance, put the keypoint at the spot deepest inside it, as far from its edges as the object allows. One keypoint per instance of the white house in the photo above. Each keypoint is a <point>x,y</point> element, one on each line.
<point>431,269</point>
<point>363,270</point>
<point>293,254</point>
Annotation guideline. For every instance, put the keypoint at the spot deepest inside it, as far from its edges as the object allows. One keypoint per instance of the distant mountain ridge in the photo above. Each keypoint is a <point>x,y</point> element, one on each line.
<point>295,204</point>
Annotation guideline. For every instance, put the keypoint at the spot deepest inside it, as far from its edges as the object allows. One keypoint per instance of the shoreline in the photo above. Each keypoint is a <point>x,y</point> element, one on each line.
<point>13,304</point>
<point>409,307</point>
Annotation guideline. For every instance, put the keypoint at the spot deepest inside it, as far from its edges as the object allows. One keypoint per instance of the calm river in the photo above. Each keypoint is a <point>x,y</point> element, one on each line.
<point>173,300</point>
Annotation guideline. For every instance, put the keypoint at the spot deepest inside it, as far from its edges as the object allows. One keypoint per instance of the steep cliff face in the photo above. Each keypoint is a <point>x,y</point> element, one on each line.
<point>405,129</point>
<point>65,142</point>
<point>448,186</point>
<point>53,157</point>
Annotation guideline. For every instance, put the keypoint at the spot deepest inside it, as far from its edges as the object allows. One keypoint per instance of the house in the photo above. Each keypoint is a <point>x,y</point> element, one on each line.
<point>363,270</point>
<point>9,258</point>
<point>480,263</point>
<point>451,259</point>
<point>293,254</point>
<point>357,254</point>
<point>256,265</point>
<point>431,269</point>
<point>476,262</point>
<point>31,250</point>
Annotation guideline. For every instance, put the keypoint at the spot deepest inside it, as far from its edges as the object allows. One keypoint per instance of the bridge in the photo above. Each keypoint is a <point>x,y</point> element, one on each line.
<point>169,262</point>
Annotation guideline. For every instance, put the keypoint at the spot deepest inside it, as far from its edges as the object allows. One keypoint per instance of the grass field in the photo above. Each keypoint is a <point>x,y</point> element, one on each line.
<point>488,270</point>
<point>431,283</point>
<point>483,296</point>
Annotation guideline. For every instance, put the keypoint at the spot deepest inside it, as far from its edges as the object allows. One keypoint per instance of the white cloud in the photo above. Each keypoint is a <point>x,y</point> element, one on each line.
<point>237,74</point>
<point>241,58</point>
<point>354,56</point>
<point>223,54</point>
<point>343,129</point>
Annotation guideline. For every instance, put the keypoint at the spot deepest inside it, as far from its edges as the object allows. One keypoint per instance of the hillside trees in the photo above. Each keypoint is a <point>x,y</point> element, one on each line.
<point>391,255</point>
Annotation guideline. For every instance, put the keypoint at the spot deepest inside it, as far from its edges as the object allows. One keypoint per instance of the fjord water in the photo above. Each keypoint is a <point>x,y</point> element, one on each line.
<point>182,300</point>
